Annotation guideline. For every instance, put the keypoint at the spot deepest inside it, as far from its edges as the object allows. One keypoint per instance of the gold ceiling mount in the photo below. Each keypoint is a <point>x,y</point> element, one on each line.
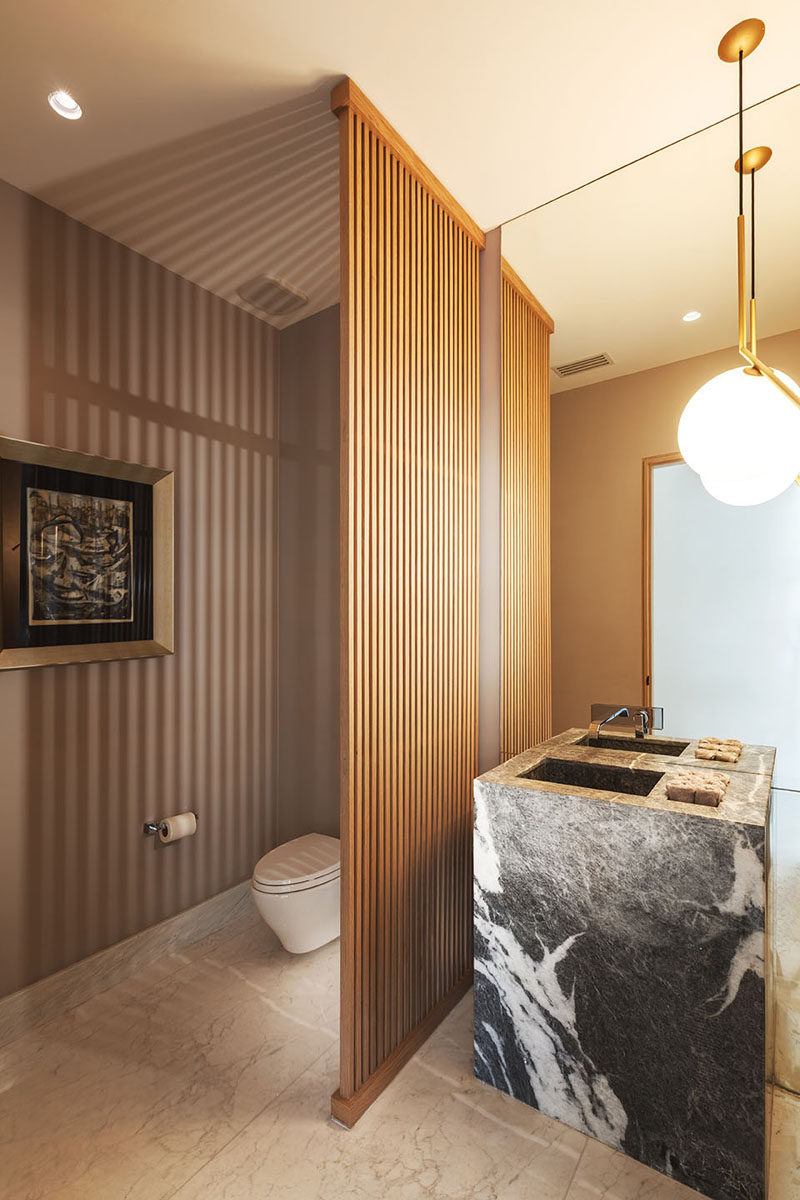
<point>742,39</point>
<point>753,160</point>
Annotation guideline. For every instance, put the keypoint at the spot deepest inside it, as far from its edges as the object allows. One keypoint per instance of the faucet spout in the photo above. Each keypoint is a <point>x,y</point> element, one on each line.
<point>596,726</point>
<point>643,718</point>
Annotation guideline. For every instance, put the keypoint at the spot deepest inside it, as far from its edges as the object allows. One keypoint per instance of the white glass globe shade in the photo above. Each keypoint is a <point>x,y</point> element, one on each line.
<point>740,426</point>
<point>747,489</point>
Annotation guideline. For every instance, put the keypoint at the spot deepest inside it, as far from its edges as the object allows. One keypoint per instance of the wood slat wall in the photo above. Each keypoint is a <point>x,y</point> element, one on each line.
<point>526,676</point>
<point>409,527</point>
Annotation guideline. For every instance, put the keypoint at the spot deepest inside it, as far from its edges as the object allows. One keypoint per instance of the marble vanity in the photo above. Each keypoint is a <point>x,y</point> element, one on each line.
<point>620,949</point>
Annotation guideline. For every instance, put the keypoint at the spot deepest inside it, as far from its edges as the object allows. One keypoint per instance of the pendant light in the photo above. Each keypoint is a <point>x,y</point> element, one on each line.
<point>741,431</point>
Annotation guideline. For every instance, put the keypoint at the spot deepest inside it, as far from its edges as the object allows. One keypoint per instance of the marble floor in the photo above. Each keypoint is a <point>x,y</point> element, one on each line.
<point>209,1073</point>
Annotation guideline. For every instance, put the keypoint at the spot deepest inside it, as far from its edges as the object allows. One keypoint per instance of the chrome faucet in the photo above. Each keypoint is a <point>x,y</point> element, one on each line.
<point>596,726</point>
<point>641,723</point>
<point>643,719</point>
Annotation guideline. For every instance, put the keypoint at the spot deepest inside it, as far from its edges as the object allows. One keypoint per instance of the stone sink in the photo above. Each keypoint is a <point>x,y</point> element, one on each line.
<point>620,949</point>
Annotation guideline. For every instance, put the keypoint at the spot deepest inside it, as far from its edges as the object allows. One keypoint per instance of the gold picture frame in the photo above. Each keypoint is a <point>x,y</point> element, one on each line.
<point>162,484</point>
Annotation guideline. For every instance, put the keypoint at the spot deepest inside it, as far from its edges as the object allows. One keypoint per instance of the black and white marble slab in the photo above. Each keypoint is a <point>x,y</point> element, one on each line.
<point>619,964</point>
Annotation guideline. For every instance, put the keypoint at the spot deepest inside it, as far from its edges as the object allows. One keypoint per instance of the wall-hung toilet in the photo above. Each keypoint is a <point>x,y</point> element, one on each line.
<point>296,890</point>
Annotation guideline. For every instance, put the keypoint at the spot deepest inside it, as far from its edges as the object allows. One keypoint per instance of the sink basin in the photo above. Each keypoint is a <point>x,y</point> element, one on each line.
<point>645,745</point>
<point>595,775</point>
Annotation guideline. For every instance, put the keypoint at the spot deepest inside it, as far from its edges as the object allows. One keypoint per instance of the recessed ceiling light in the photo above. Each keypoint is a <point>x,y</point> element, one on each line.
<point>694,315</point>
<point>62,103</point>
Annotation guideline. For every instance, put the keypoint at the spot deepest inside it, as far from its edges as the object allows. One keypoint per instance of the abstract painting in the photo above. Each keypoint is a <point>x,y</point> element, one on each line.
<point>80,558</point>
<point>86,557</point>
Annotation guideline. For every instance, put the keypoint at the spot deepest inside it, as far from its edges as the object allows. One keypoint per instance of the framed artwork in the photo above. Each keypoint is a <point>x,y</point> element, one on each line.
<point>86,571</point>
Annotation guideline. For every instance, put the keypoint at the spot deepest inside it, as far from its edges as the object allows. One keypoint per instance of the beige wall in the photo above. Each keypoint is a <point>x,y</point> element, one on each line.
<point>600,434</point>
<point>308,628</point>
<point>105,352</point>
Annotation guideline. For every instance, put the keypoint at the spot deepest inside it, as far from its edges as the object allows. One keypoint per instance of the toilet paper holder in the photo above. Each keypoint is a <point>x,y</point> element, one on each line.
<point>151,828</point>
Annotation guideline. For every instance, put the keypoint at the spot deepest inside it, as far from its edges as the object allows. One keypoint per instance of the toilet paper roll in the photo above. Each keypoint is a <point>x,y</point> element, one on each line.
<point>182,825</point>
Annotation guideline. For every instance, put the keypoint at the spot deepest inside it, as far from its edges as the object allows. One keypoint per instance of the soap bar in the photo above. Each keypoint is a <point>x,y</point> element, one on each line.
<point>723,750</point>
<point>681,789</point>
<point>709,794</point>
<point>698,787</point>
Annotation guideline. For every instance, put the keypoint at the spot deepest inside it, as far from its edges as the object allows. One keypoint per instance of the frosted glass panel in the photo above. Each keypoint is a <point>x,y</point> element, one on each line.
<point>726,617</point>
<point>726,662</point>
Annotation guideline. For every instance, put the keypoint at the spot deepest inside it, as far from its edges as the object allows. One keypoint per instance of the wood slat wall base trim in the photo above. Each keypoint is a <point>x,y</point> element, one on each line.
<point>349,1111</point>
<point>409,601</point>
<point>526,704</point>
<point>348,95</point>
<point>519,285</point>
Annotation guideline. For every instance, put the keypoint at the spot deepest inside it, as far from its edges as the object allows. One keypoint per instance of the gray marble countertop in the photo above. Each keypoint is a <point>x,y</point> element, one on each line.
<point>746,800</point>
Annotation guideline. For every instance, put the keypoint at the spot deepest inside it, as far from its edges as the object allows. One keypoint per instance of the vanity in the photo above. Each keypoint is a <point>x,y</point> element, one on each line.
<point>620,951</point>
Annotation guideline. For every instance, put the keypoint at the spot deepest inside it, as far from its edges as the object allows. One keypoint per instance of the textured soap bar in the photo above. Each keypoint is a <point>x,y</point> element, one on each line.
<point>697,787</point>
<point>721,749</point>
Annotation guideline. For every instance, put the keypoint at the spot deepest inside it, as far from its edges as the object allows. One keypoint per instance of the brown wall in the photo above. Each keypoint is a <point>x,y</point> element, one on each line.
<point>308,627</point>
<point>105,352</point>
<point>600,434</point>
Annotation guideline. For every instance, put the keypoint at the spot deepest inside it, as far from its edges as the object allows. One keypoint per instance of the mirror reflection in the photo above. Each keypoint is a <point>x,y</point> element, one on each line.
<point>659,590</point>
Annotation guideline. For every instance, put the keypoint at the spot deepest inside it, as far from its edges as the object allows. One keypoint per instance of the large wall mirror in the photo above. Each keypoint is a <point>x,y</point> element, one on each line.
<point>658,590</point>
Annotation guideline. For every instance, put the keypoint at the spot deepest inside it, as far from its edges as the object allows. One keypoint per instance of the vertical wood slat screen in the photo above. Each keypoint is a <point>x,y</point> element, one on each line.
<point>526,678</point>
<point>409,529</point>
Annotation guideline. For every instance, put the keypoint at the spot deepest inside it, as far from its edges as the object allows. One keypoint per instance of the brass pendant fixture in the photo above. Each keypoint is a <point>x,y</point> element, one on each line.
<point>741,430</point>
<point>742,39</point>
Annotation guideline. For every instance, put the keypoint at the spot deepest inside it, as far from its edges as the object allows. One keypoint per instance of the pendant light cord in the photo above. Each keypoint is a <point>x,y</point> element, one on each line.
<point>752,235</point>
<point>741,139</point>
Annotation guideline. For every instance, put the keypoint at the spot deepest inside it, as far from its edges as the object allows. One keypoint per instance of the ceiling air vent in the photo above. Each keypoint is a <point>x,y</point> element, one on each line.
<point>582,364</point>
<point>272,296</point>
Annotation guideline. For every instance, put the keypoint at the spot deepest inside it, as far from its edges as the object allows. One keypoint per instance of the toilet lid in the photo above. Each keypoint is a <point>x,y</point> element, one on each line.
<point>313,857</point>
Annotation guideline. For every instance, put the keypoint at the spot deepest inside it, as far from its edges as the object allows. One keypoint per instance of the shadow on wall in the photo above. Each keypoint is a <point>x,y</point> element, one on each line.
<point>256,195</point>
<point>308,655</point>
<point>132,362</point>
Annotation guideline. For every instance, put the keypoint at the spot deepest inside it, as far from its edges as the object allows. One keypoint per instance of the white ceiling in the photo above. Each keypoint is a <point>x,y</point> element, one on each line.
<point>618,263</point>
<point>255,196</point>
<point>509,104</point>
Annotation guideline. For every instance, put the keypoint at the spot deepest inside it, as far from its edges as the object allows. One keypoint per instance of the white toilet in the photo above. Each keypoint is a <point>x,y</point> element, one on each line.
<point>296,889</point>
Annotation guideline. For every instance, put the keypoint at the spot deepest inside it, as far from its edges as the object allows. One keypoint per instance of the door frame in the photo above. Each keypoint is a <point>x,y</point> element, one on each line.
<point>649,465</point>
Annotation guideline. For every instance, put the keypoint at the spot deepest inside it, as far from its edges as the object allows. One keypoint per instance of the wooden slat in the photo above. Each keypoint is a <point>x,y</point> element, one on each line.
<point>409,462</point>
<point>526,676</point>
<point>348,96</point>
<point>522,289</point>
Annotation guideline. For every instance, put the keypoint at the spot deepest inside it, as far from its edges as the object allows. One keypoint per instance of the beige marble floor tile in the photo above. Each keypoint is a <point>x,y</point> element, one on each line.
<point>208,1075</point>
<point>130,1093</point>
<point>303,985</point>
<point>603,1172</point>
<point>437,1132</point>
<point>49,998</point>
<point>787,1032</point>
<point>784,1182</point>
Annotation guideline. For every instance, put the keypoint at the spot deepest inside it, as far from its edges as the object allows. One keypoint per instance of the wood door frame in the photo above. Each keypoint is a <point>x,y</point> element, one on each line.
<point>648,466</point>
